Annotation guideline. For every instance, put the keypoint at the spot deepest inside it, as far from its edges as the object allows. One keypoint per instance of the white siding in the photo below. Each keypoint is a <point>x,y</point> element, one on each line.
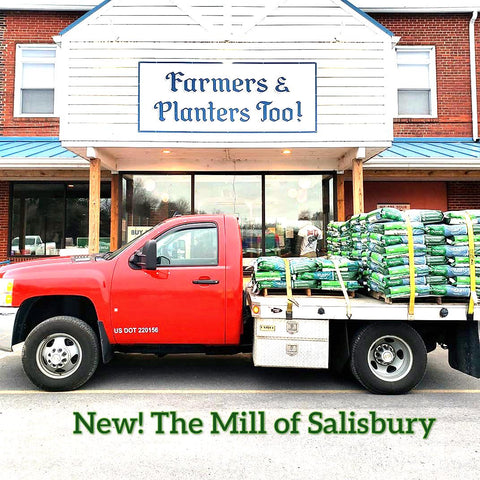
<point>99,59</point>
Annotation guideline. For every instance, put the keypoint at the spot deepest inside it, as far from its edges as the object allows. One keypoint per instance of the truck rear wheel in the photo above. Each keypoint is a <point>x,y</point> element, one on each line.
<point>388,358</point>
<point>61,353</point>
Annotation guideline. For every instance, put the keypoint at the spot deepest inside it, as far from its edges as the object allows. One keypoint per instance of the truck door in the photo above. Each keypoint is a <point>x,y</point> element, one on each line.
<point>183,300</point>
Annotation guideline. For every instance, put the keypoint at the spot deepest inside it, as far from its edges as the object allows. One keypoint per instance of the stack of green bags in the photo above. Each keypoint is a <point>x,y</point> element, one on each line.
<point>314,273</point>
<point>334,246</point>
<point>388,269</point>
<point>441,254</point>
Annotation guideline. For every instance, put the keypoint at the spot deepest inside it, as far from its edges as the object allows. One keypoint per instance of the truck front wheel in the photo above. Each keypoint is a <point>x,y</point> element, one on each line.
<point>388,358</point>
<point>60,354</point>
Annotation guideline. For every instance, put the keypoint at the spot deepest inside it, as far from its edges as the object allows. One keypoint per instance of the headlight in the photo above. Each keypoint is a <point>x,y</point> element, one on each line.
<point>6,291</point>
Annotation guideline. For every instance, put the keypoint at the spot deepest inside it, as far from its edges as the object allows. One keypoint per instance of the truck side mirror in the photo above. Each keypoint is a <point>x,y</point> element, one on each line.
<point>149,252</point>
<point>146,257</point>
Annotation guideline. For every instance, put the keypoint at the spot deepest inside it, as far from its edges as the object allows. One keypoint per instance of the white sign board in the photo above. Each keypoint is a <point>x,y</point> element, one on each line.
<point>216,97</point>
<point>134,232</point>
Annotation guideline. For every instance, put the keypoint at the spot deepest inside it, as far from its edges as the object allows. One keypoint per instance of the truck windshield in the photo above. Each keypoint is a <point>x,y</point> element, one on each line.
<point>28,241</point>
<point>111,255</point>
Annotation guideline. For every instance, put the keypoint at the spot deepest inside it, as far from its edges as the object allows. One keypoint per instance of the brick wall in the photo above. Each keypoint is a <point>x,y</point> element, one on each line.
<point>449,34</point>
<point>4,210</point>
<point>2,68</point>
<point>24,27</point>
<point>463,195</point>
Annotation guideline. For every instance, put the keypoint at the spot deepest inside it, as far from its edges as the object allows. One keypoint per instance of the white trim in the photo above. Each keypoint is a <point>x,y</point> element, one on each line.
<point>432,79</point>
<point>473,75</point>
<point>398,163</point>
<point>19,61</point>
<point>43,163</point>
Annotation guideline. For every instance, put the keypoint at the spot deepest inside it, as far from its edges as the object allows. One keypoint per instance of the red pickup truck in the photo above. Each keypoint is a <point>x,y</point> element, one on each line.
<point>179,289</point>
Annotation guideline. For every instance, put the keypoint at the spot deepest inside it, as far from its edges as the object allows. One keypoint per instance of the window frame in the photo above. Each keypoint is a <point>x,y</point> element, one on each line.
<point>432,77</point>
<point>19,62</point>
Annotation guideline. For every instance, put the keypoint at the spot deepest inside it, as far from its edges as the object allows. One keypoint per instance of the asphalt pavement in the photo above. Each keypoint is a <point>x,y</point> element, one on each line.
<point>200,417</point>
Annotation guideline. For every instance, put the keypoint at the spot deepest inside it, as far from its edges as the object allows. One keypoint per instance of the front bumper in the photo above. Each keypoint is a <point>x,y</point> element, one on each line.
<point>7,322</point>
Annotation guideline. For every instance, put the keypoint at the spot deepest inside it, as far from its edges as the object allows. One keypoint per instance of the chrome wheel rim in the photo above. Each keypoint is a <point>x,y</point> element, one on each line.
<point>59,355</point>
<point>390,358</point>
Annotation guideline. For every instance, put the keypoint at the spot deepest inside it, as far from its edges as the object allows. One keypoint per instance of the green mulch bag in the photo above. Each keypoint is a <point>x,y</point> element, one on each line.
<point>299,265</point>
<point>458,217</point>
<point>404,271</point>
<point>397,250</point>
<point>305,284</point>
<point>271,284</point>
<point>435,259</point>
<point>396,239</point>
<point>462,240</point>
<point>330,285</point>
<point>450,230</point>
<point>271,275</point>
<point>460,261</point>
<point>396,228</point>
<point>424,216</point>
<point>395,261</point>
<point>387,281</point>
<point>327,275</point>
<point>450,271</point>
<point>270,263</point>
<point>404,291</point>
<point>451,250</point>
<point>463,280</point>
<point>384,215</point>
<point>434,240</point>
<point>344,264</point>
<point>450,291</point>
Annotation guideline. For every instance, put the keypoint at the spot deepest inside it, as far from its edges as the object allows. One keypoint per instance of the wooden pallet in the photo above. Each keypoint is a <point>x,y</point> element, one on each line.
<point>380,296</point>
<point>309,292</point>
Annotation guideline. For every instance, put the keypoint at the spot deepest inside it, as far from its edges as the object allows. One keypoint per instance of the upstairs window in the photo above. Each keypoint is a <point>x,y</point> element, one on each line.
<point>35,80</point>
<point>416,82</point>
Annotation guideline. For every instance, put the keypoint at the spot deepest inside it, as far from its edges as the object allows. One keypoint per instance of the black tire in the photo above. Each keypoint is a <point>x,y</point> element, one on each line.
<point>388,358</point>
<point>60,354</point>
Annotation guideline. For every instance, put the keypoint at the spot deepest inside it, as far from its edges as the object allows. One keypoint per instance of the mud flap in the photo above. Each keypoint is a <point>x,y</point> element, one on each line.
<point>464,348</point>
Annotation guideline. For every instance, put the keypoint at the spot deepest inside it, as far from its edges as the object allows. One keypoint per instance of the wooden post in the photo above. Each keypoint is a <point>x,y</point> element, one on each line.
<point>114,212</point>
<point>357,180</point>
<point>340,197</point>
<point>94,206</point>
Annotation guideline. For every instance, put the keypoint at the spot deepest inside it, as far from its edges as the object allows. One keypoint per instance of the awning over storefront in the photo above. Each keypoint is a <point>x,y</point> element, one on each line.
<point>427,153</point>
<point>37,152</point>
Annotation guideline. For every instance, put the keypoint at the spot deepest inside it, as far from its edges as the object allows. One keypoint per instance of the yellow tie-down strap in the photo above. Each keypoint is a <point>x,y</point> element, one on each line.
<point>411,267</point>
<point>471,262</point>
<point>288,278</point>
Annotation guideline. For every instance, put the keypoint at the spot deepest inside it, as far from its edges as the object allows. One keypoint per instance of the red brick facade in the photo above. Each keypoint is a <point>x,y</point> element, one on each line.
<point>23,27</point>
<point>463,195</point>
<point>449,34</point>
<point>4,218</point>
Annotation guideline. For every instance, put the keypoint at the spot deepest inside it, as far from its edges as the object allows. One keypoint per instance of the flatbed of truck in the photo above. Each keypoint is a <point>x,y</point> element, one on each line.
<point>361,307</point>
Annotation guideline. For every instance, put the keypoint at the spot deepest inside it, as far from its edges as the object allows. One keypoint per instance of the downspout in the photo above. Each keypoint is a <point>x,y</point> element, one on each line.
<point>473,76</point>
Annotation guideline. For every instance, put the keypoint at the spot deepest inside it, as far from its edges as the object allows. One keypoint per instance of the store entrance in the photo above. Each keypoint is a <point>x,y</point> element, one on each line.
<point>271,207</point>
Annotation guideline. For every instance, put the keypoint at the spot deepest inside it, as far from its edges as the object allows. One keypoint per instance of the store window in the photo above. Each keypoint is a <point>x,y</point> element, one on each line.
<point>52,219</point>
<point>271,208</point>
<point>292,202</point>
<point>239,195</point>
<point>35,80</point>
<point>150,199</point>
<point>416,82</point>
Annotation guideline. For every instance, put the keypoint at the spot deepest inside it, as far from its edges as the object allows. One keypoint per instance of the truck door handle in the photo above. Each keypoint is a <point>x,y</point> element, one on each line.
<point>205,282</point>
